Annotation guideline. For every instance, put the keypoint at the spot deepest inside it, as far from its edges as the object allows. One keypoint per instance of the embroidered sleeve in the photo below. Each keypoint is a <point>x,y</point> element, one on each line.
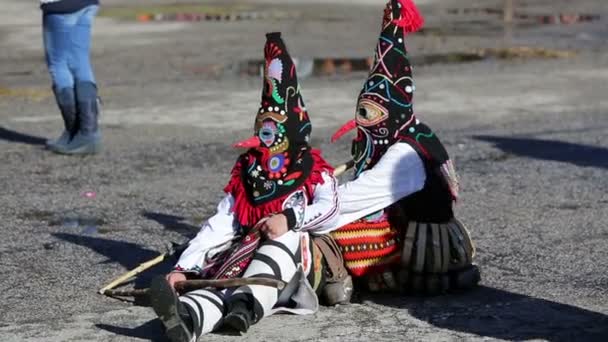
<point>322,212</point>
<point>295,206</point>
<point>399,173</point>
<point>216,235</point>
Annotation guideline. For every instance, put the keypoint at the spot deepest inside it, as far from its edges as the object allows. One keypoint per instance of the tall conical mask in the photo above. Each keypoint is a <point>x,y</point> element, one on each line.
<point>282,121</point>
<point>278,160</point>
<point>384,105</point>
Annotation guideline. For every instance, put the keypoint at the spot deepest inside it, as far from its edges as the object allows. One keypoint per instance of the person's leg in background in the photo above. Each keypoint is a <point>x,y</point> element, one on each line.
<point>56,36</point>
<point>87,139</point>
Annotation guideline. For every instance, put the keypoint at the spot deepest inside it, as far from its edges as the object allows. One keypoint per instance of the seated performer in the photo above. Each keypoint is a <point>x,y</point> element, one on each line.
<point>280,192</point>
<point>397,226</point>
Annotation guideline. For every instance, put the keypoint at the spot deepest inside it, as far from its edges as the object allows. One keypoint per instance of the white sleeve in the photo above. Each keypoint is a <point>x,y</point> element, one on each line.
<point>322,213</point>
<point>399,173</point>
<point>215,235</point>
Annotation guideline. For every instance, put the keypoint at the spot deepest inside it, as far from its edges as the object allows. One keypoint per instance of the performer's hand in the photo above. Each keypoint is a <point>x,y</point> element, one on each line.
<point>274,226</point>
<point>175,277</point>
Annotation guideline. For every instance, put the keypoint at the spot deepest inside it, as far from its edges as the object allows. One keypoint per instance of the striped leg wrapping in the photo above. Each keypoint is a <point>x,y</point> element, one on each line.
<point>206,308</point>
<point>276,259</point>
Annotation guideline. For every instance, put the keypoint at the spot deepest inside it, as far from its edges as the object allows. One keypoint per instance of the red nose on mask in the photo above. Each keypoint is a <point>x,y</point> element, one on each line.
<point>347,127</point>
<point>252,142</point>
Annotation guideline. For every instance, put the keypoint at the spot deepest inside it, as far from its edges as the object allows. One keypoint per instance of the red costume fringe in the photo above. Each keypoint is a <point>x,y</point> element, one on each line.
<point>411,19</point>
<point>248,214</point>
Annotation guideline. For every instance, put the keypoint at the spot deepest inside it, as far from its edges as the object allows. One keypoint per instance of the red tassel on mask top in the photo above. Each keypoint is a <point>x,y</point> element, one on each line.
<point>411,19</point>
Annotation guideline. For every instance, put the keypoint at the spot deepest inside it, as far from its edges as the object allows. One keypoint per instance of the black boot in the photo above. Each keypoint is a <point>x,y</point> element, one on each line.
<point>66,101</point>
<point>173,313</point>
<point>239,317</point>
<point>87,139</point>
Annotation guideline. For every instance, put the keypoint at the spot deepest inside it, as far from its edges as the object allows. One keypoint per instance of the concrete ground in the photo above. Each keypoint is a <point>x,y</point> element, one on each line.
<point>529,137</point>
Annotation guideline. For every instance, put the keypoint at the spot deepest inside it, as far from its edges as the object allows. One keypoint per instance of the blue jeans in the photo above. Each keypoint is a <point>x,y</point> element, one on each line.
<point>67,41</point>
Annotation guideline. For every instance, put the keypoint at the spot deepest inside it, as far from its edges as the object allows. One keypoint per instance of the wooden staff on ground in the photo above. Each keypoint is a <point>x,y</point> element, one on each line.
<point>191,285</point>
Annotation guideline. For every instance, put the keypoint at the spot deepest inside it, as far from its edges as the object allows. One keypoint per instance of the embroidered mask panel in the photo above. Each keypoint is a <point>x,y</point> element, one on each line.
<point>281,161</point>
<point>384,106</point>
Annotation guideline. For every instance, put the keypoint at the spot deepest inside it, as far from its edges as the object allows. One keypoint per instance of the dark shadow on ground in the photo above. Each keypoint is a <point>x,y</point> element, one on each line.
<point>172,223</point>
<point>577,154</point>
<point>152,331</point>
<point>16,137</point>
<point>127,254</point>
<point>501,314</point>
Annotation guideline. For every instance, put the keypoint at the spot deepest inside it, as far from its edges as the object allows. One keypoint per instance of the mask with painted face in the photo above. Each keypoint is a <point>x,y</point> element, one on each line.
<point>384,113</point>
<point>384,105</point>
<point>279,159</point>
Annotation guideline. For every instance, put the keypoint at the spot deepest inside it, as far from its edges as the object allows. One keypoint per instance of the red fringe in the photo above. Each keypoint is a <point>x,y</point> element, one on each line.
<point>411,19</point>
<point>249,214</point>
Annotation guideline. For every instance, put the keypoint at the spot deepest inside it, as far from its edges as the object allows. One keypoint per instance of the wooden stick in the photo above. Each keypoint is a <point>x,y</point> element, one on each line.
<point>191,285</point>
<point>146,265</point>
<point>142,267</point>
<point>126,293</point>
<point>340,169</point>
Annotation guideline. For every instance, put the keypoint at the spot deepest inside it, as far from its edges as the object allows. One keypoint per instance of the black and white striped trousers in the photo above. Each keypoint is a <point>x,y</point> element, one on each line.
<point>277,259</point>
